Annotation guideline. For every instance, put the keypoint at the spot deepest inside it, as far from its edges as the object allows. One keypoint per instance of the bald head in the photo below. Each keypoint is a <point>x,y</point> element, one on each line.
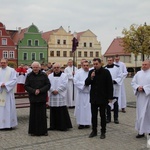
<point>56,68</point>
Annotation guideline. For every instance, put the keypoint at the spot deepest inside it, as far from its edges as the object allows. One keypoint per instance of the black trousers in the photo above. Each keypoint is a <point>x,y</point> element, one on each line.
<point>102,110</point>
<point>116,109</point>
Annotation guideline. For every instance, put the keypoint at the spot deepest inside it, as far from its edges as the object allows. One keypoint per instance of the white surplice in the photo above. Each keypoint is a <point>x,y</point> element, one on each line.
<point>59,84</point>
<point>142,78</point>
<point>122,102</point>
<point>71,90</point>
<point>116,75</point>
<point>8,117</point>
<point>82,106</point>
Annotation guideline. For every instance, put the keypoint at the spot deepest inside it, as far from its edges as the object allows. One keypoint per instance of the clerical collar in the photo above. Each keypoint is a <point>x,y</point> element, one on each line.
<point>58,74</point>
<point>110,66</point>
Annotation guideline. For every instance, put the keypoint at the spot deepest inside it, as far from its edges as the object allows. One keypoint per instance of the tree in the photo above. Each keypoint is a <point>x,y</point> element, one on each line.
<point>12,64</point>
<point>137,40</point>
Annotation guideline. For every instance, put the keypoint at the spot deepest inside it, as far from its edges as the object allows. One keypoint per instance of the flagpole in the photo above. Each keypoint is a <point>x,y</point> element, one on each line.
<point>73,74</point>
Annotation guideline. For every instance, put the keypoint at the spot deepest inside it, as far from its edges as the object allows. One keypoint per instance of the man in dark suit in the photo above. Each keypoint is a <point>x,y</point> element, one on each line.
<point>101,93</point>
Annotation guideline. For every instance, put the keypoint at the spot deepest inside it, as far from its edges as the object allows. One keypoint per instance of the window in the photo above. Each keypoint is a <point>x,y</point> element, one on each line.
<point>29,43</point>
<point>4,41</point>
<point>90,44</point>
<point>84,44</point>
<point>58,41</point>
<point>32,56</point>
<point>0,33</point>
<point>25,56</point>
<point>97,54</point>
<point>79,53</point>
<point>91,54</point>
<point>85,54</point>
<point>11,54</point>
<point>36,42</point>
<point>41,56</point>
<point>58,53</point>
<point>64,42</point>
<point>64,53</point>
<point>52,53</point>
<point>5,54</point>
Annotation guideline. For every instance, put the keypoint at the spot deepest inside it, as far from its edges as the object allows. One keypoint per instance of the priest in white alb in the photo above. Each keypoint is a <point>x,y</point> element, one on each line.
<point>82,106</point>
<point>141,87</point>
<point>8,80</point>
<point>71,91</point>
<point>122,102</point>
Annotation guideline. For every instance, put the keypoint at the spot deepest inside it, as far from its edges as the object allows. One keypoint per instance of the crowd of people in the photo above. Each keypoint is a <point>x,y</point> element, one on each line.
<point>88,90</point>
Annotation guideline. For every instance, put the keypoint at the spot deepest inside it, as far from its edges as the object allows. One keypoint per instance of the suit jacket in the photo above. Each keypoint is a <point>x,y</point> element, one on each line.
<point>101,86</point>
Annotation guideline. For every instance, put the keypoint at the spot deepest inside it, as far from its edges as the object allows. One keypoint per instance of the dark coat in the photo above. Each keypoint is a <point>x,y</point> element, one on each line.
<point>37,81</point>
<point>101,86</point>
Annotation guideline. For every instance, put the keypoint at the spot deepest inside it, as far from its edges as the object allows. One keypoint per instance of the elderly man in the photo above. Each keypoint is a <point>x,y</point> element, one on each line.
<point>141,87</point>
<point>8,80</point>
<point>37,84</point>
<point>82,107</point>
<point>59,116</point>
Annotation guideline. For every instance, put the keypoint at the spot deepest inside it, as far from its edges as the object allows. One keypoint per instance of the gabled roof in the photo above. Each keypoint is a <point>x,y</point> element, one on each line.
<point>116,48</point>
<point>79,34</point>
<point>19,35</point>
<point>46,35</point>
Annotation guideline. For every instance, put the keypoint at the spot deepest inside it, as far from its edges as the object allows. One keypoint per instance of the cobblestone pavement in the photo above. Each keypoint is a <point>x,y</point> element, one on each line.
<point>118,137</point>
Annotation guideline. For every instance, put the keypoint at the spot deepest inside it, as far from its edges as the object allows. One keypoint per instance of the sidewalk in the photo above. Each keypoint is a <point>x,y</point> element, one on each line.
<point>118,137</point>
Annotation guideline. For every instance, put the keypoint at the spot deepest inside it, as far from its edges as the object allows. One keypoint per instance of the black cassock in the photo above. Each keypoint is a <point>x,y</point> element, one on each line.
<point>37,119</point>
<point>59,118</point>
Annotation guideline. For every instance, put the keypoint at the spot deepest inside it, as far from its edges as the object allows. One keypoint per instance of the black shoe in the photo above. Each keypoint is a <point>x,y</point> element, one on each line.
<point>46,134</point>
<point>102,136</point>
<point>140,135</point>
<point>87,126</point>
<point>81,127</point>
<point>7,129</point>
<point>116,121</point>
<point>51,128</point>
<point>71,107</point>
<point>123,110</point>
<point>108,120</point>
<point>92,134</point>
<point>149,134</point>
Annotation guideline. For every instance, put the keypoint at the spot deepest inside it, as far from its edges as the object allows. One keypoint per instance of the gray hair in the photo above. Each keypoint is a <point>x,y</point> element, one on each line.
<point>36,63</point>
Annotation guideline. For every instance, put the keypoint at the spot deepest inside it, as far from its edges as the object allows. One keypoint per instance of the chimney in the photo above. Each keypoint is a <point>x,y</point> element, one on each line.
<point>19,29</point>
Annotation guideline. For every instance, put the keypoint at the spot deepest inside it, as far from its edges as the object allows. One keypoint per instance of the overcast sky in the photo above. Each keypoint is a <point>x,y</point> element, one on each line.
<point>105,18</point>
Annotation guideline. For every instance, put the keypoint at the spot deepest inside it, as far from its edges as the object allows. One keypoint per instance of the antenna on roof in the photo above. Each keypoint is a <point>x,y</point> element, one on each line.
<point>69,29</point>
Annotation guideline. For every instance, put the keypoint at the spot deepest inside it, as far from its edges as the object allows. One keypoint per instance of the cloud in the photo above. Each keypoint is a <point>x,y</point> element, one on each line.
<point>105,18</point>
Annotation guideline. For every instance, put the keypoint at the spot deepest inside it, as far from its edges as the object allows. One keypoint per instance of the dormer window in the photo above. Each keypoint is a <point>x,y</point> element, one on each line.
<point>4,41</point>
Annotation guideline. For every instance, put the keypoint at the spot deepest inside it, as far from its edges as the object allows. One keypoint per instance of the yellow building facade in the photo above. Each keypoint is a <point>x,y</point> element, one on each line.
<point>60,46</point>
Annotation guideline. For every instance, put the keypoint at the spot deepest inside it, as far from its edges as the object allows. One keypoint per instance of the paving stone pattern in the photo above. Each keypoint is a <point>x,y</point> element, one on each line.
<point>118,137</point>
